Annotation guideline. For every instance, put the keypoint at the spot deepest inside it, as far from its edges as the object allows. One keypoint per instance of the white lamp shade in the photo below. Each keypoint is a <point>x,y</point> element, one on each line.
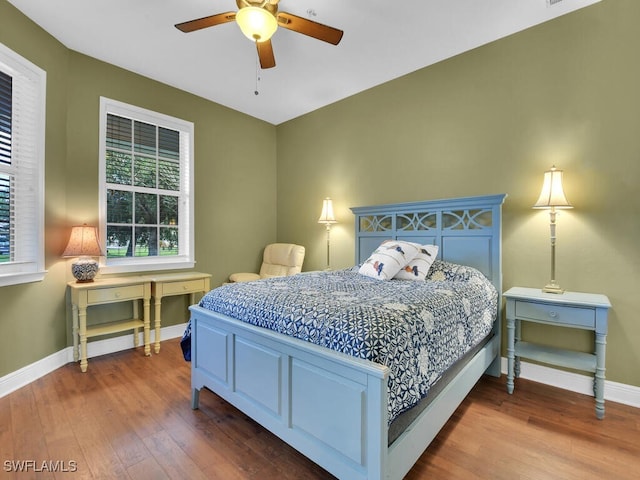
<point>257,24</point>
<point>83,242</point>
<point>327,215</point>
<point>552,194</point>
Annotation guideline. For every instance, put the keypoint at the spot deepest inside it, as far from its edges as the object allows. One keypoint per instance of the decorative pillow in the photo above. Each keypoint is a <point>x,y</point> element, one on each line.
<point>389,258</point>
<point>418,267</point>
<point>451,272</point>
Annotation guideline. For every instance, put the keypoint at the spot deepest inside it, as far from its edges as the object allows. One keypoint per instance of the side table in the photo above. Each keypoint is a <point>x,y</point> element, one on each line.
<point>164,285</point>
<point>109,290</point>
<point>586,311</point>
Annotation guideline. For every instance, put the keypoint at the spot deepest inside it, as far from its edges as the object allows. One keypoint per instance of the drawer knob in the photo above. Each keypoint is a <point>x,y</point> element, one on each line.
<point>553,314</point>
<point>184,287</point>
<point>117,294</point>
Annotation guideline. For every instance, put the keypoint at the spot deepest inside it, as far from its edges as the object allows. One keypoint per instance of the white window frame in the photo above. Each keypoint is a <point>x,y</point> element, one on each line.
<point>185,257</point>
<point>27,169</point>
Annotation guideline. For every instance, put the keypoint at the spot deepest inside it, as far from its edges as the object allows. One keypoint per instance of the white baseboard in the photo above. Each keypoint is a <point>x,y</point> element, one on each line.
<point>18,379</point>
<point>613,391</point>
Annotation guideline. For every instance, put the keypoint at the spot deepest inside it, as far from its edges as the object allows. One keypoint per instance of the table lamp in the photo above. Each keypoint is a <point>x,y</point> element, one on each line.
<point>83,243</point>
<point>552,197</point>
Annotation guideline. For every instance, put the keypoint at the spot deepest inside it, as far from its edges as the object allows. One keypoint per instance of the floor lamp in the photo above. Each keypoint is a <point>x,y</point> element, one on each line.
<point>328,219</point>
<point>552,197</point>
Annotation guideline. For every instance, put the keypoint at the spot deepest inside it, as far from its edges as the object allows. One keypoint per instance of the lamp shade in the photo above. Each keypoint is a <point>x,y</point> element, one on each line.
<point>552,194</point>
<point>256,23</point>
<point>83,242</point>
<point>327,216</point>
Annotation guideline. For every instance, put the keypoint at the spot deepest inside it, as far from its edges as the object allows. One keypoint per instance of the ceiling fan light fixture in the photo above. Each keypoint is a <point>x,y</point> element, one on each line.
<point>257,24</point>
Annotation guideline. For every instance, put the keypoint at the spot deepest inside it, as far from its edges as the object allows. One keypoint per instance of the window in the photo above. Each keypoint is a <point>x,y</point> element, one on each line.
<point>22,132</point>
<point>146,189</point>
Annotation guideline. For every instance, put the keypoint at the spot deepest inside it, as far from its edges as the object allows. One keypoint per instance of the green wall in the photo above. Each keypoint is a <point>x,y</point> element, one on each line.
<point>235,185</point>
<point>491,121</point>
<point>32,316</point>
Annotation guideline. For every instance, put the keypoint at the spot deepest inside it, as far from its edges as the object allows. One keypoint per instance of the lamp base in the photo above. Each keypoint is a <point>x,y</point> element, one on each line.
<point>552,288</point>
<point>84,270</point>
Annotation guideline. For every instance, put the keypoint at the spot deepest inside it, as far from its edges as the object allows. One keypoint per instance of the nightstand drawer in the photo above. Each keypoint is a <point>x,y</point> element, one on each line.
<point>175,288</point>
<point>115,294</point>
<point>560,314</point>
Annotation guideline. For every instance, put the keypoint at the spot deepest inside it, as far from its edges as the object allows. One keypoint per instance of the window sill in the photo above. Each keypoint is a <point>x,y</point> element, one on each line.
<point>19,278</point>
<point>129,267</point>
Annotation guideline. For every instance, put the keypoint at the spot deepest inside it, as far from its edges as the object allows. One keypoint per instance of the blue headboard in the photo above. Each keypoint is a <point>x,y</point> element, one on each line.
<point>468,230</point>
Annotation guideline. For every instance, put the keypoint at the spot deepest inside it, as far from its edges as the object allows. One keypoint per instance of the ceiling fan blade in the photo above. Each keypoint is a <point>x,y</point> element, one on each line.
<point>310,28</point>
<point>265,54</point>
<point>205,22</point>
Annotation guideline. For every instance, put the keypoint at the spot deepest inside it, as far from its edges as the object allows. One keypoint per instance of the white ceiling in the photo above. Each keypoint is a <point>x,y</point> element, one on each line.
<point>382,40</point>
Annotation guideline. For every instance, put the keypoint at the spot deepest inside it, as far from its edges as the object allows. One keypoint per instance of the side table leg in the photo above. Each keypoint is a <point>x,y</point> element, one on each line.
<point>516,367</point>
<point>510,353</point>
<point>601,342</point>
<point>136,331</point>
<point>156,324</point>
<point>82,317</point>
<point>147,326</point>
<point>76,350</point>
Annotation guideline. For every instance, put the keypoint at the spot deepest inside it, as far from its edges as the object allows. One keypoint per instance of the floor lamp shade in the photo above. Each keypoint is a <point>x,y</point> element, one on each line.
<point>552,197</point>
<point>83,243</point>
<point>328,218</point>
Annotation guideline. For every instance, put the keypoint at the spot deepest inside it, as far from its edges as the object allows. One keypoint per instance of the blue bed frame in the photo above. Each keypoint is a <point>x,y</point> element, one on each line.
<point>333,407</point>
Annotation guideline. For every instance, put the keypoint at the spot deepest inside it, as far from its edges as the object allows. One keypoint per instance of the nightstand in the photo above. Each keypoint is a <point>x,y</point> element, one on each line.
<point>587,311</point>
<point>108,290</point>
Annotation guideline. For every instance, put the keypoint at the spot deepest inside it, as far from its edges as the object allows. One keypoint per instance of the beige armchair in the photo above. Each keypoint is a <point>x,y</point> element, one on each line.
<point>278,260</point>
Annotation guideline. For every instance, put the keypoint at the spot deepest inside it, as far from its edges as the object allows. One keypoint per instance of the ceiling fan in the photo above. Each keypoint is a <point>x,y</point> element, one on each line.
<point>258,20</point>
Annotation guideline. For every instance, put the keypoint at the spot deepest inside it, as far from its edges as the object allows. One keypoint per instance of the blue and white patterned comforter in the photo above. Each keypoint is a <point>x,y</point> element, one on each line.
<point>417,329</point>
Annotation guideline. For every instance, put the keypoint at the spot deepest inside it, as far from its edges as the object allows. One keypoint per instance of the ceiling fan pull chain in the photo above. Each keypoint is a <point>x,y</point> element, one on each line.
<point>256,92</point>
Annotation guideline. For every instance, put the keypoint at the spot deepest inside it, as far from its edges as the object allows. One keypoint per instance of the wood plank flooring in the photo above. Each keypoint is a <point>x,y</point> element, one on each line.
<point>129,416</point>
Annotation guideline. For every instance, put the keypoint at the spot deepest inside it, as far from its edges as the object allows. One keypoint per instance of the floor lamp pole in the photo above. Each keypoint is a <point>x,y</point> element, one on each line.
<point>327,218</point>
<point>328,247</point>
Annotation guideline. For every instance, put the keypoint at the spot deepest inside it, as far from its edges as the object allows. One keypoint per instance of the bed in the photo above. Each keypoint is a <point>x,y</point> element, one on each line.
<point>330,405</point>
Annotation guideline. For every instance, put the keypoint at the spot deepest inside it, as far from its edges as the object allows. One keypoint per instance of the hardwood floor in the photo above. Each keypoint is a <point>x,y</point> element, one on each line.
<point>129,416</point>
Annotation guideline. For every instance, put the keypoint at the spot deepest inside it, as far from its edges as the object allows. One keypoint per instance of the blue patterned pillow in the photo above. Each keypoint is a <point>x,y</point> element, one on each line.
<point>451,272</point>
<point>418,267</point>
<point>388,259</point>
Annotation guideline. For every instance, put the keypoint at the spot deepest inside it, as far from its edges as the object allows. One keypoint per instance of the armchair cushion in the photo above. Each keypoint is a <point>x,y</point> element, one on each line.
<point>278,260</point>
<point>243,277</point>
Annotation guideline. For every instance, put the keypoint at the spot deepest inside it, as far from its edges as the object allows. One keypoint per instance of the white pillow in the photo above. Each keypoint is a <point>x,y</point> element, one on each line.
<point>418,266</point>
<point>388,259</point>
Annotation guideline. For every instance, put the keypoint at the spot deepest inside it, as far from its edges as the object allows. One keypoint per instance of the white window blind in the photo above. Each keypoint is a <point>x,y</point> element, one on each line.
<point>22,132</point>
<point>146,189</point>
<point>7,211</point>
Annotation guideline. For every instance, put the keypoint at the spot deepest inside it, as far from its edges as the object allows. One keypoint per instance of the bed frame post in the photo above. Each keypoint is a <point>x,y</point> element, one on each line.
<point>195,398</point>
<point>495,368</point>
